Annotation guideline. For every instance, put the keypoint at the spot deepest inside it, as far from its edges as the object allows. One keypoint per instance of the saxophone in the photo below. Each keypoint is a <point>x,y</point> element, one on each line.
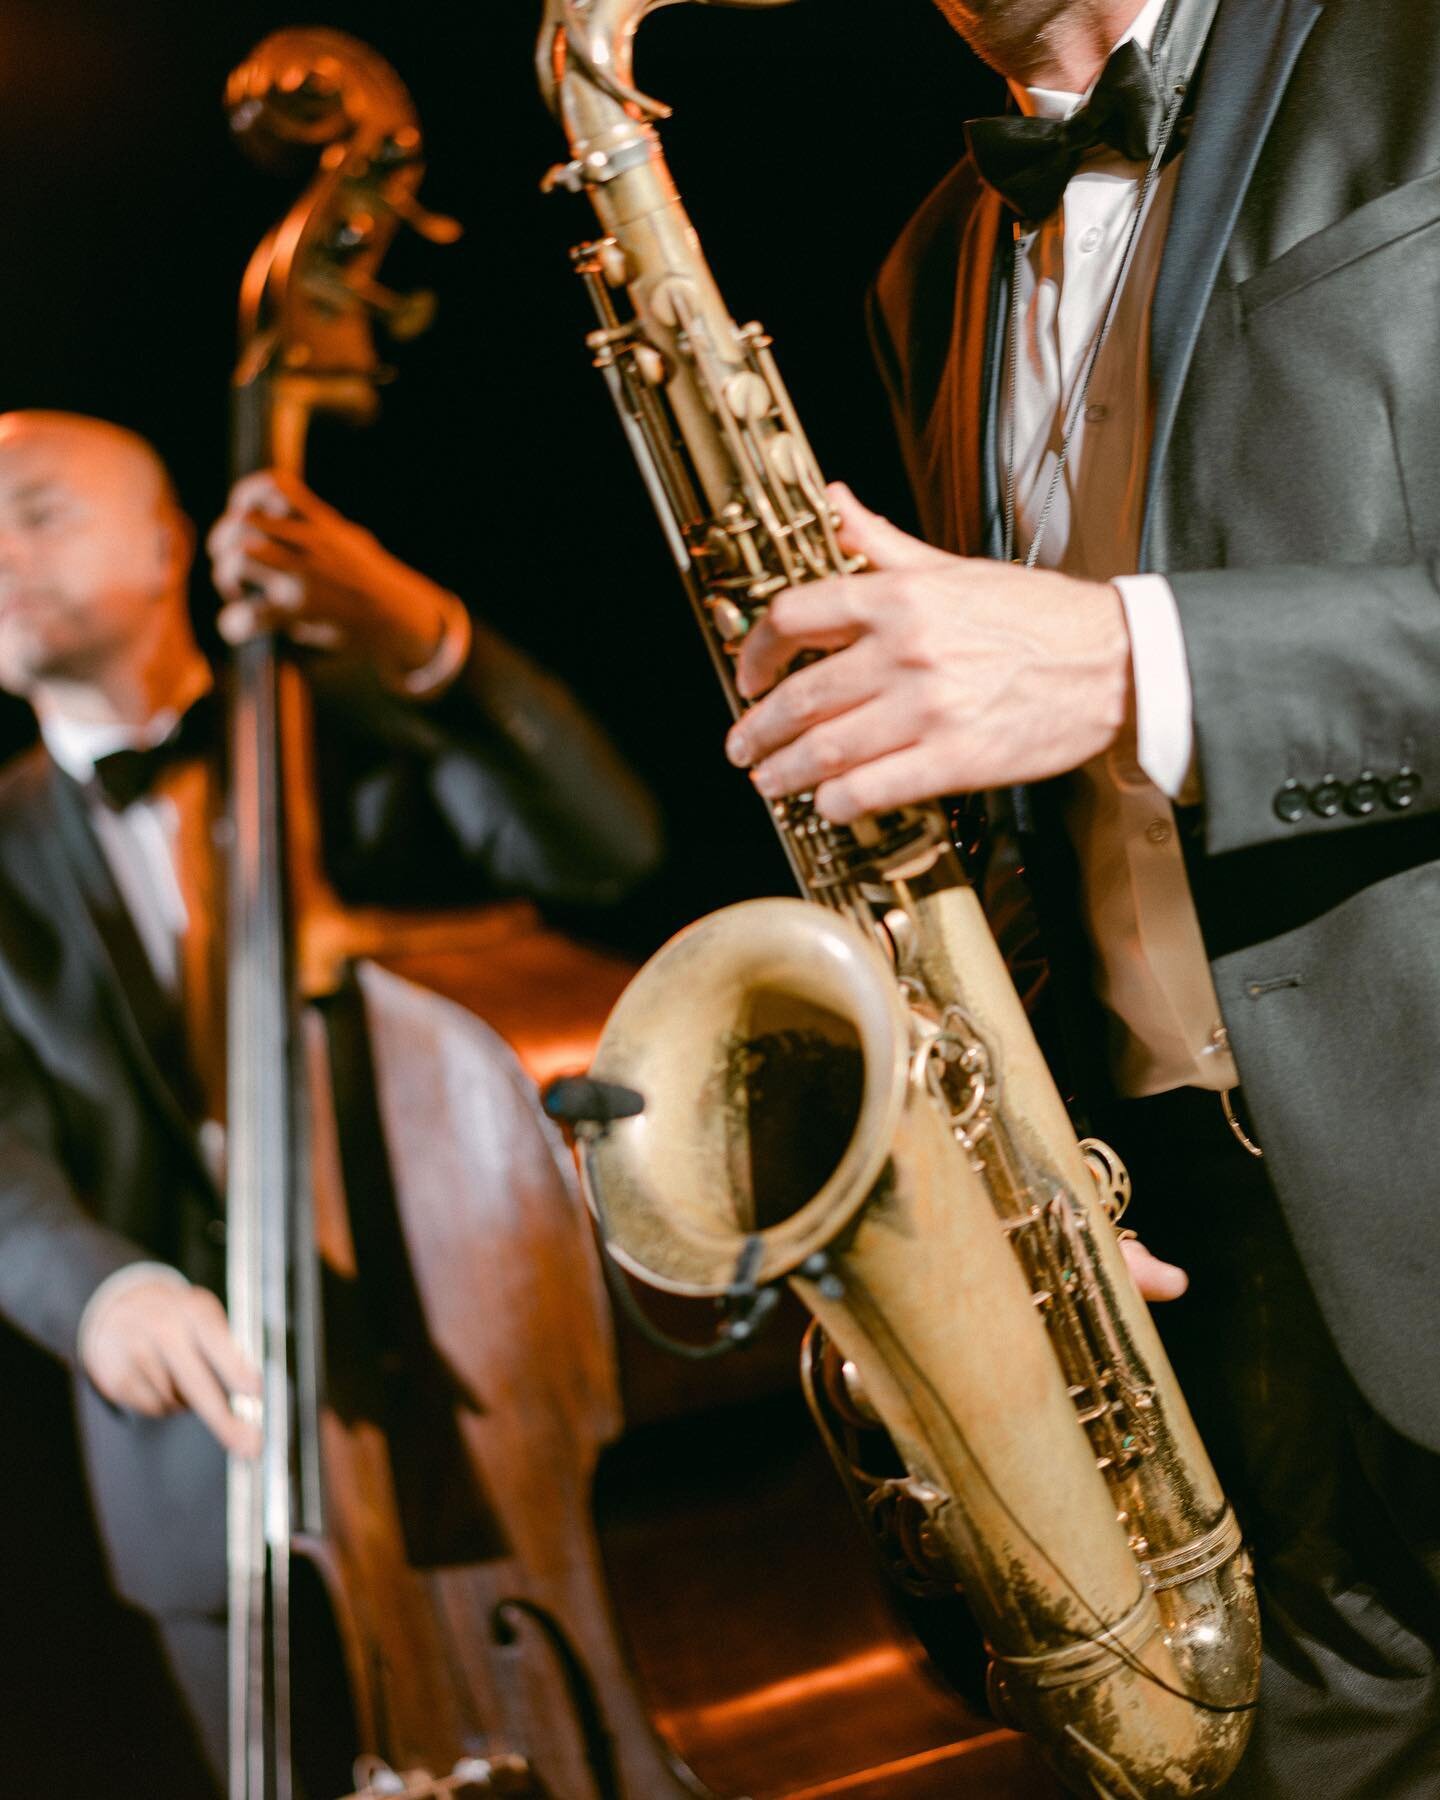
<point>843,1093</point>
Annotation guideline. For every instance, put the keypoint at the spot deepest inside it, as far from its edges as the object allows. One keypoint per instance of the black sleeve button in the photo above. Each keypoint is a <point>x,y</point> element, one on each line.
<point>1291,803</point>
<point>1363,794</point>
<point>1401,789</point>
<point>1327,797</point>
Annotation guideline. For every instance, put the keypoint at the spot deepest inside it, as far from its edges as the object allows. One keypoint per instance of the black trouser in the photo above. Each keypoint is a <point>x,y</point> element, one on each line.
<point>1343,1513</point>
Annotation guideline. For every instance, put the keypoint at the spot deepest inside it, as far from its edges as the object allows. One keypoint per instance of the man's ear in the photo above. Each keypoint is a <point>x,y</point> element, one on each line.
<point>176,546</point>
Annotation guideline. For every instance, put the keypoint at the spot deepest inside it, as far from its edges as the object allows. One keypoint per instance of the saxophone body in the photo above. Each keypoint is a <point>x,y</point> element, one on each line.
<point>842,1092</point>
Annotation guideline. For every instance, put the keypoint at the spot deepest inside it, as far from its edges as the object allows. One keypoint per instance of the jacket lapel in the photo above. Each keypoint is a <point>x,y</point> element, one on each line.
<point>1252,52</point>
<point>148,1021</point>
<point>957,483</point>
<point>990,540</point>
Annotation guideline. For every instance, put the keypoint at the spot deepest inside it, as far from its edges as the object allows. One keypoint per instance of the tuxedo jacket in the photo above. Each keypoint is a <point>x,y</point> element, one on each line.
<point>1293,499</point>
<point>502,788</point>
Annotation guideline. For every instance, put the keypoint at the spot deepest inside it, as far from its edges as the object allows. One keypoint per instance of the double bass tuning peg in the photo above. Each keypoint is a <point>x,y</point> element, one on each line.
<point>435,228</point>
<point>399,150</point>
<point>404,316</point>
<point>358,228</point>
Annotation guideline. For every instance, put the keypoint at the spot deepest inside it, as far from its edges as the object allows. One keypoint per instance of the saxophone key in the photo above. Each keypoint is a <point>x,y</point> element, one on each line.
<point>731,624</point>
<point>748,396</point>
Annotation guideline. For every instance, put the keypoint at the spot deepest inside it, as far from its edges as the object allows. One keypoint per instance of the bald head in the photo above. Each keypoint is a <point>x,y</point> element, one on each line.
<point>109,453</point>
<point>94,549</point>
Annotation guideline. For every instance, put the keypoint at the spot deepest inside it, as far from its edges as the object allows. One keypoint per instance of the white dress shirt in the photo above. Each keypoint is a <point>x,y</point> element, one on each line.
<point>1152,972</point>
<point>139,842</point>
<point>141,846</point>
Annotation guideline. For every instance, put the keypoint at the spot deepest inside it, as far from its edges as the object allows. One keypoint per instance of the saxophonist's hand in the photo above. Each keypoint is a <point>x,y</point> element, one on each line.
<point>1156,1280</point>
<point>948,674</point>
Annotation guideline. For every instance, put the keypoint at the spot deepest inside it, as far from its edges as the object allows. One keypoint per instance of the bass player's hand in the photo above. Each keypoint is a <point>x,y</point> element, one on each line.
<point>159,1346</point>
<point>282,560</point>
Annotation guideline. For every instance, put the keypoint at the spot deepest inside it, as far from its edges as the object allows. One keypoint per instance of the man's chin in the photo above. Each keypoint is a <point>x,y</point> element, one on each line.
<point>26,660</point>
<point>16,675</point>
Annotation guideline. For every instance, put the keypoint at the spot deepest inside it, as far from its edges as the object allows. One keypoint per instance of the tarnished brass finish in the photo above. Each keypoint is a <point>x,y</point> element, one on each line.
<point>847,1096</point>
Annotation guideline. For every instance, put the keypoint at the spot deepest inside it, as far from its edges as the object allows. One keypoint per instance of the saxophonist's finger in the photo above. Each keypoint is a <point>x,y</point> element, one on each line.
<point>834,748</point>
<point>822,615</point>
<point>1156,1280</point>
<point>804,699</point>
<point>899,779</point>
<point>883,545</point>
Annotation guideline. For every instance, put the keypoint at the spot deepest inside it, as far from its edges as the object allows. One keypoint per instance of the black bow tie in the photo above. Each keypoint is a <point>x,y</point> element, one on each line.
<point>1028,161</point>
<point>125,776</point>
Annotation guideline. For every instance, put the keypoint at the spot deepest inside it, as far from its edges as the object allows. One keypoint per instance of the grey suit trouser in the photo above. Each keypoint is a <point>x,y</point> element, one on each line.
<point>196,1650</point>
<point>1343,1513</point>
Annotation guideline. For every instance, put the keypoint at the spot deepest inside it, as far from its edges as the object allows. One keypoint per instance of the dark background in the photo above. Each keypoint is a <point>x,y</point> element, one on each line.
<point>803,138</point>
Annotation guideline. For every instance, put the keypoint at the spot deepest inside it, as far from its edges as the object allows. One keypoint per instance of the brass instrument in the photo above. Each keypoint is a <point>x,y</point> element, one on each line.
<point>932,1208</point>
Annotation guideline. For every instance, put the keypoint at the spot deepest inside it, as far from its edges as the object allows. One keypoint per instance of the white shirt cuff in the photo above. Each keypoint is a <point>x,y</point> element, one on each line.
<point>1164,701</point>
<point>112,1287</point>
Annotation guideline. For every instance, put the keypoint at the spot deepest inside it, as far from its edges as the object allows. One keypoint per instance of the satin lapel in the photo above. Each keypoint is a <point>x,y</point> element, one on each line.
<point>149,1023</point>
<point>1251,55</point>
<point>970,490</point>
<point>991,539</point>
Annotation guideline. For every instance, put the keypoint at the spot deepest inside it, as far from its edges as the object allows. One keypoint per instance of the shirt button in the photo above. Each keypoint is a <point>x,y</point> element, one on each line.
<point>1090,239</point>
<point>1096,414</point>
<point>1158,831</point>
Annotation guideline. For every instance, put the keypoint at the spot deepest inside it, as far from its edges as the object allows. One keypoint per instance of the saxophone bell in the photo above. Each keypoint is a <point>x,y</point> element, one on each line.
<point>791,1032</point>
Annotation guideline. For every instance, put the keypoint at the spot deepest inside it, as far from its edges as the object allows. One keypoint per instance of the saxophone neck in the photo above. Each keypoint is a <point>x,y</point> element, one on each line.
<point>591,43</point>
<point>584,62</point>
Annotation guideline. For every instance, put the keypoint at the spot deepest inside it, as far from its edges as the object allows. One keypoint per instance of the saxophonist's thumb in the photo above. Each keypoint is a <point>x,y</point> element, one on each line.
<point>1156,1280</point>
<point>883,545</point>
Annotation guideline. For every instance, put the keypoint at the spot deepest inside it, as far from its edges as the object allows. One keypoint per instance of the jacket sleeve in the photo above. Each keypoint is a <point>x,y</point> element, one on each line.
<point>504,785</point>
<point>53,1253</point>
<point>1316,699</point>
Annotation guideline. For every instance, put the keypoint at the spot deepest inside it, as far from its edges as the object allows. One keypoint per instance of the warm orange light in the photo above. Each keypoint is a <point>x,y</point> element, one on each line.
<point>909,1765</point>
<point>816,1684</point>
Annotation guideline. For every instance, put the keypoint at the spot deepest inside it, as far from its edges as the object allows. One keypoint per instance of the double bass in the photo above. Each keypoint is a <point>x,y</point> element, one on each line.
<point>415,1598</point>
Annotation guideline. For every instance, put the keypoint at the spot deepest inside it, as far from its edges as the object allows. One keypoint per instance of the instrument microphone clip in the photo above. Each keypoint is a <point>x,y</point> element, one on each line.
<point>579,1100</point>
